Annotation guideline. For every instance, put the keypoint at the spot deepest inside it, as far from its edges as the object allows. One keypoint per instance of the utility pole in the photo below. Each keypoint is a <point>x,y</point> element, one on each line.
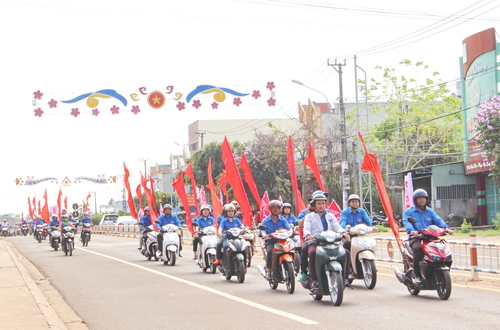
<point>200,134</point>
<point>95,201</point>
<point>345,181</point>
<point>144,160</point>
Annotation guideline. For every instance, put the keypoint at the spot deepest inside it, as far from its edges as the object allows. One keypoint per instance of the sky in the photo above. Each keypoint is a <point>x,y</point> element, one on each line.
<point>69,48</point>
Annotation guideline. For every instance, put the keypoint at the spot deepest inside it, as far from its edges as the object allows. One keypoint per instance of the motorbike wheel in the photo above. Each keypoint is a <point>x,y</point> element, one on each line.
<point>249,256</point>
<point>240,271</point>
<point>155,254</point>
<point>290,277</point>
<point>213,268</point>
<point>85,241</point>
<point>413,290</point>
<point>370,277</point>
<point>272,284</point>
<point>172,257</point>
<point>317,296</point>
<point>70,248</point>
<point>336,287</point>
<point>228,276</point>
<point>443,284</point>
<point>296,263</point>
<point>39,239</point>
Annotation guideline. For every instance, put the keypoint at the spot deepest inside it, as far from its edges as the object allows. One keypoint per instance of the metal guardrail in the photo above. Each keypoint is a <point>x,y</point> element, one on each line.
<point>467,256</point>
<point>132,232</point>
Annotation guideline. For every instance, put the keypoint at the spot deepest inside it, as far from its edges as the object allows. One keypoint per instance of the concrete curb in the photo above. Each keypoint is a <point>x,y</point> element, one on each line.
<point>49,313</point>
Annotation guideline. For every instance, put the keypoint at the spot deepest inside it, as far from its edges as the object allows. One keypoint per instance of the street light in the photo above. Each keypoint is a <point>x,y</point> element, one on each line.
<point>343,139</point>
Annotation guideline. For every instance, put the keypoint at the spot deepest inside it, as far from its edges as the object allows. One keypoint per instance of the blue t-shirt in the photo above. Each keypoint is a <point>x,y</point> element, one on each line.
<point>423,219</point>
<point>172,219</point>
<point>146,221</point>
<point>219,219</point>
<point>227,224</point>
<point>291,219</point>
<point>281,223</point>
<point>353,219</point>
<point>86,220</point>
<point>202,222</point>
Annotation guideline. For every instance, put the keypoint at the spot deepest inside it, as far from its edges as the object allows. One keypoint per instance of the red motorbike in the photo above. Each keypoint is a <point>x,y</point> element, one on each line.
<point>434,267</point>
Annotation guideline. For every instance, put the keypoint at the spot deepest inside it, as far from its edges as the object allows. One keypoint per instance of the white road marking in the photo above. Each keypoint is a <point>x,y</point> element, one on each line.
<point>217,292</point>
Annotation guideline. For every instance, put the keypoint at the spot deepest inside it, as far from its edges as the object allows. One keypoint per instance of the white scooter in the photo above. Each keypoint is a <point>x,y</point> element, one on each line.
<point>150,245</point>
<point>205,253</point>
<point>171,244</point>
<point>363,250</point>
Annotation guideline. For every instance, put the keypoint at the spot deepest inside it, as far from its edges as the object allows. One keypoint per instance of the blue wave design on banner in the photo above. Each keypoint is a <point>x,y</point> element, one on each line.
<point>202,88</point>
<point>108,92</point>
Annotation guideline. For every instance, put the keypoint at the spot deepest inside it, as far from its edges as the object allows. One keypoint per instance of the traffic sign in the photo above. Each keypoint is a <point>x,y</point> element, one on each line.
<point>75,206</point>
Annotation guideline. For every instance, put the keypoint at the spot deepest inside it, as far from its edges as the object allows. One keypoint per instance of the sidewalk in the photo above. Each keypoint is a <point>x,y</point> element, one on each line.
<point>27,300</point>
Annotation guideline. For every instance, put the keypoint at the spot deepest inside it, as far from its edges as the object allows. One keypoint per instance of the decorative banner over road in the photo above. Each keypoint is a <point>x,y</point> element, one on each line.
<point>31,181</point>
<point>104,100</point>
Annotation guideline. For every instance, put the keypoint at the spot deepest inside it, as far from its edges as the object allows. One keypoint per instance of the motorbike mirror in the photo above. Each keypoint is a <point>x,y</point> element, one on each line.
<point>450,217</point>
<point>412,220</point>
<point>158,222</point>
<point>262,227</point>
<point>296,223</point>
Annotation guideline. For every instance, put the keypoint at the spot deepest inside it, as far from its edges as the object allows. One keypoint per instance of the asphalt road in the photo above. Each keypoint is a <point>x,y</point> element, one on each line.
<point>111,285</point>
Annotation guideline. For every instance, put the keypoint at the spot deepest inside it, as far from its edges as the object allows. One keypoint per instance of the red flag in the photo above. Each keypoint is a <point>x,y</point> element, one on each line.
<point>59,204</point>
<point>190,174</point>
<point>30,209</point>
<point>153,197</point>
<point>247,174</point>
<point>66,203</point>
<point>311,162</point>
<point>39,209</point>
<point>45,210</point>
<point>181,192</point>
<point>299,202</point>
<point>150,201</point>
<point>216,203</point>
<point>130,199</point>
<point>222,185</point>
<point>139,196</point>
<point>86,209</point>
<point>34,206</point>
<point>334,207</point>
<point>234,179</point>
<point>264,207</point>
<point>370,164</point>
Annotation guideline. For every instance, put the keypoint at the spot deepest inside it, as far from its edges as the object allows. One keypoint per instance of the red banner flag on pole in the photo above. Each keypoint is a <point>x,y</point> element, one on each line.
<point>370,164</point>
<point>40,209</point>
<point>247,174</point>
<point>30,209</point>
<point>264,207</point>
<point>190,174</point>
<point>216,202</point>
<point>130,199</point>
<point>35,213</point>
<point>181,192</point>
<point>139,196</point>
<point>234,179</point>
<point>222,185</point>
<point>335,208</point>
<point>59,204</point>
<point>153,197</point>
<point>313,165</point>
<point>86,209</point>
<point>299,202</point>
<point>45,210</point>
<point>147,192</point>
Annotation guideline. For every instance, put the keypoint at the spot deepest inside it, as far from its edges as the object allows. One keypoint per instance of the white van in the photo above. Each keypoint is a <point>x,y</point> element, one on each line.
<point>109,219</point>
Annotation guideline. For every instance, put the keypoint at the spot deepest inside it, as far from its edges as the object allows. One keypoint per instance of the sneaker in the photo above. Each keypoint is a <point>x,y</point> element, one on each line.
<point>303,277</point>
<point>217,262</point>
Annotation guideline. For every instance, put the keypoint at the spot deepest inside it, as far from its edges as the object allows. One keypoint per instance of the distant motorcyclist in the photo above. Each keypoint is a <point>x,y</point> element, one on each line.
<point>230,221</point>
<point>64,223</point>
<point>168,218</point>
<point>146,221</point>
<point>273,223</point>
<point>85,219</point>
<point>354,215</point>
<point>424,217</point>
<point>203,221</point>
<point>286,212</point>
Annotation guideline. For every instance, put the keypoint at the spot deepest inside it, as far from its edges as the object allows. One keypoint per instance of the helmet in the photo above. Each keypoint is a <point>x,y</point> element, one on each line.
<point>235,203</point>
<point>53,215</point>
<point>64,215</point>
<point>319,192</point>
<point>167,206</point>
<point>274,203</point>
<point>419,193</point>
<point>353,196</point>
<point>318,197</point>
<point>205,207</point>
<point>286,205</point>
<point>85,213</point>
<point>146,208</point>
<point>229,207</point>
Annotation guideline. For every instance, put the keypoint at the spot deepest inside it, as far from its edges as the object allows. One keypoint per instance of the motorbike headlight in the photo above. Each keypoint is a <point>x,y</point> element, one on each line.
<point>435,257</point>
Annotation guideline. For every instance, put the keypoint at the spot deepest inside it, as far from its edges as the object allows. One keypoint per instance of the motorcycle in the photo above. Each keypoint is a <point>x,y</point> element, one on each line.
<point>282,270</point>
<point>205,253</point>
<point>5,231</point>
<point>297,249</point>
<point>381,219</point>
<point>55,238</point>
<point>39,233</point>
<point>362,254</point>
<point>86,231</point>
<point>68,241</point>
<point>234,254</point>
<point>24,230</point>
<point>435,265</point>
<point>150,245</point>
<point>330,262</point>
<point>249,236</point>
<point>171,244</point>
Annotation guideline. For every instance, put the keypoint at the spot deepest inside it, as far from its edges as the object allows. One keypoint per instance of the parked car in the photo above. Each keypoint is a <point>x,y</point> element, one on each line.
<point>109,219</point>
<point>126,220</point>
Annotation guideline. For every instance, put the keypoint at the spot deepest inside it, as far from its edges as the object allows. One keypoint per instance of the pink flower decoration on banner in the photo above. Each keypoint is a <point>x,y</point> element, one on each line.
<point>53,103</point>
<point>237,101</point>
<point>38,112</point>
<point>181,106</point>
<point>135,109</point>
<point>115,110</point>
<point>256,94</point>
<point>38,95</point>
<point>95,112</point>
<point>270,86</point>
<point>215,105</point>
<point>75,112</point>
<point>196,104</point>
<point>271,102</point>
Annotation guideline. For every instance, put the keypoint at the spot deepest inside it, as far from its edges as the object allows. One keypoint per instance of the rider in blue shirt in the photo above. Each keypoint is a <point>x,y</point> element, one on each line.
<point>273,223</point>
<point>286,212</point>
<point>230,221</point>
<point>424,217</point>
<point>146,221</point>
<point>85,219</point>
<point>165,219</point>
<point>203,221</point>
<point>354,215</point>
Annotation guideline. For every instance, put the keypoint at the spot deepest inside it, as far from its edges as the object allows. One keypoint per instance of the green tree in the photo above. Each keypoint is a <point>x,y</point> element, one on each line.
<point>422,124</point>
<point>488,128</point>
